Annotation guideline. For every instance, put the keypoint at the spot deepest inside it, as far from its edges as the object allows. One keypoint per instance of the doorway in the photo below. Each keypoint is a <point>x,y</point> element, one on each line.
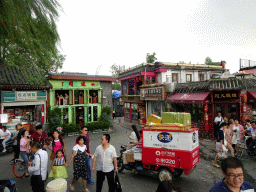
<point>229,110</point>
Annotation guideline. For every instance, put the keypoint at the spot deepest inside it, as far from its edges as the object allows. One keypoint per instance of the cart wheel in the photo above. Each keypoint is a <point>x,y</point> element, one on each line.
<point>120,164</point>
<point>178,172</point>
<point>165,173</point>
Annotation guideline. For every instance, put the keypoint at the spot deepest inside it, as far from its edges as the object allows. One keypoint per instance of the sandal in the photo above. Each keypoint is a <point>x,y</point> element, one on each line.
<point>72,188</point>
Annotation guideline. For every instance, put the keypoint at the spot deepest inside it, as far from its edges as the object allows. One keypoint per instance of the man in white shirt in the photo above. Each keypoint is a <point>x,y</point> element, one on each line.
<point>38,175</point>
<point>217,121</point>
<point>104,157</point>
<point>6,136</point>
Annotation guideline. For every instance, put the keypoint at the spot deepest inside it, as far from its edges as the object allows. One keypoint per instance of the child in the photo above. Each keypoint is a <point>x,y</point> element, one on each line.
<point>58,166</point>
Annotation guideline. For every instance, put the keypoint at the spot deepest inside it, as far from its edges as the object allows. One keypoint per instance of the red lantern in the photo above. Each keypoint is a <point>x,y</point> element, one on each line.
<point>244,98</point>
<point>206,127</point>
<point>206,117</point>
<point>243,118</point>
<point>206,108</point>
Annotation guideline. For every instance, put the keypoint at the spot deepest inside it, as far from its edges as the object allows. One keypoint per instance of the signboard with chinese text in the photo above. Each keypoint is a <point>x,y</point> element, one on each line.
<point>225,95</point>
<point>154,93</point>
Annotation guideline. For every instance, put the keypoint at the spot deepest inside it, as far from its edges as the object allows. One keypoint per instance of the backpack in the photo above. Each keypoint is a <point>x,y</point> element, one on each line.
<point>8,185</point>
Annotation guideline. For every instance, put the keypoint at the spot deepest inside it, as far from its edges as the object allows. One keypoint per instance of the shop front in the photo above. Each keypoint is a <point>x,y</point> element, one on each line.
<point>134,109</point>
<point>155,96</point>
<point>25,107</point>
<point>80,101</point>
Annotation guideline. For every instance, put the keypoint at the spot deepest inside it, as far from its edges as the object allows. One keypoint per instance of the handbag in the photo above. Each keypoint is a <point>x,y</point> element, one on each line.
<point>118,187</point>
<point>35,178</point>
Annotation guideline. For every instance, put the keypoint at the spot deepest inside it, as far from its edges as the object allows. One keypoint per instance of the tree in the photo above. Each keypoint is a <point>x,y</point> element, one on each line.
<point>29,34</point>
<point>115,70</point>
<point>151,58</point>
<point>208,61</point>
<point>116,86</point>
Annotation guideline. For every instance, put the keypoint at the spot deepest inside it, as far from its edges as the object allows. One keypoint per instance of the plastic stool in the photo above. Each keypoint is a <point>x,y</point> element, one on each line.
<point>57,185</point>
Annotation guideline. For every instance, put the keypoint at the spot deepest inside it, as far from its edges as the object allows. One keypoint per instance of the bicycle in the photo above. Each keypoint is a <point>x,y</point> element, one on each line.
<point>19,167</point>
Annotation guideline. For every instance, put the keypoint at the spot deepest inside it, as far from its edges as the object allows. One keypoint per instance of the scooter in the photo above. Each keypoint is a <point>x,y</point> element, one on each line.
<point>8,144</point>
<point>137,165</point>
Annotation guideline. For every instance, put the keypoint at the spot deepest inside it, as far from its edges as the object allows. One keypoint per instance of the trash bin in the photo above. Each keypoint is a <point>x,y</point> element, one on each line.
<point>57,185</point>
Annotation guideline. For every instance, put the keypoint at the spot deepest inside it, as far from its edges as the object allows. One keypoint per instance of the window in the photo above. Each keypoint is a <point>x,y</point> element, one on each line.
<point>147,80</point>
<point>124,88</point>
<point>188,78</point>
<point>131,87</point>
<point>153,80</point>
<point>201,77</point>
<point>175,77</point>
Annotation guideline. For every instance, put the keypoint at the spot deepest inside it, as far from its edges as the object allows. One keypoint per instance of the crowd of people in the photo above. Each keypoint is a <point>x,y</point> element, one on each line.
<point>229,132</point>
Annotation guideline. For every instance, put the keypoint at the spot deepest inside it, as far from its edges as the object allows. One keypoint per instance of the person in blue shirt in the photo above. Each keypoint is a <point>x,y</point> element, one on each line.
<point>233,172</point>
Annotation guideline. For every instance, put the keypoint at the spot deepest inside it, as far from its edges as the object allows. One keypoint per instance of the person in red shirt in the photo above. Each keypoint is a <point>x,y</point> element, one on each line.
<point>39,136</point>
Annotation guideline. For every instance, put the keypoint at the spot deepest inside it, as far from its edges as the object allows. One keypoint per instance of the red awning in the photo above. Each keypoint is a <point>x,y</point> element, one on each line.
<point>251,96</point>
<point>188,98</point>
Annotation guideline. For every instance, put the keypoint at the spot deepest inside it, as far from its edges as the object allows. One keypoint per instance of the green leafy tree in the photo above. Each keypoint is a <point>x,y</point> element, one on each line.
<point>151,58</point>
<point>208,61</point>
<point>29,34</point>
<point>115,70</point>
<point>116,86</point>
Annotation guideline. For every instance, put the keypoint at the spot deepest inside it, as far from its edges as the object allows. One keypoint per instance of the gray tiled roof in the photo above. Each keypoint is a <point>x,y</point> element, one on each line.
<point>22,78</point>
<point>215,84</point>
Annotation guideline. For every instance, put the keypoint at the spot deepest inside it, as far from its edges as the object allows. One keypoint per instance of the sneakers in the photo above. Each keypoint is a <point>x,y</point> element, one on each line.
<point>72,188</point>
<point>4,151</point>
<point>12,161</point>
<point>90,181</point>
<point>86,190</point>
<point>27,175</point>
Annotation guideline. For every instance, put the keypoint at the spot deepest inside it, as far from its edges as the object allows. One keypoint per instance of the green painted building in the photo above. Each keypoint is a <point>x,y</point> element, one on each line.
<point>80,96</point>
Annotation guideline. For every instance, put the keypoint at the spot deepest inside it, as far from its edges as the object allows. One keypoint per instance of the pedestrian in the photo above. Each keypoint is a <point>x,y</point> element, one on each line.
<point>21,129</point>
<point>217,121</point>
<point>57,144</point>
<point>167,186</point>
<point>114,114</point>
<point>84,132</point>
<point>80,170</point>
<point>233,172</point>
<point>225,120</point>
<point>6,136</point>
<point>59,166</point>
<point>105,159</point>
<point>236,134</point>
<point>252,143</point>
<point>135,136</point>
<point>1,135</point>
<point>39,136</point>
<point>16,150</point>
<point>228,139</point>
<point>38,168</point>
<point>25,150</point>
<point>220,147</point>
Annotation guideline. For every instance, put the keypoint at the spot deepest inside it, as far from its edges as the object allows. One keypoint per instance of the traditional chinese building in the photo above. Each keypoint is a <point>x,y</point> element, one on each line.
<point>205,99</point>
<point>80,96</point>
<point>23,96</point>
<point>145,87</point>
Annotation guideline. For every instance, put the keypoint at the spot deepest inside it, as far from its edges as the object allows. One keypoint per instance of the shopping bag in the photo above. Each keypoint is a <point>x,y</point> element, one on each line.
<point>222,154</point>
<point>118,187</point>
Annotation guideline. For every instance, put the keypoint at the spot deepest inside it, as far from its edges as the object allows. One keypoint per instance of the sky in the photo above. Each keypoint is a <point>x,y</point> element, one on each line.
<point>97,34</point>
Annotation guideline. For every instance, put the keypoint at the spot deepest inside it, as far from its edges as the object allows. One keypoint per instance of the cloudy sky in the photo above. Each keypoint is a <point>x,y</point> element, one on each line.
<point>101,33</point>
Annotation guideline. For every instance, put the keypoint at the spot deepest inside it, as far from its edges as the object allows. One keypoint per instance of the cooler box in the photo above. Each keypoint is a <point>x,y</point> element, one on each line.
<point>167,126</point>
<point>176,117</point>
<point>154,119</point>
<point>170,148</point>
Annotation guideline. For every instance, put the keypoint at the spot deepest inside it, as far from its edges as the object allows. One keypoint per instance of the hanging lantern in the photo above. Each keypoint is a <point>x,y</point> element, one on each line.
<point>206,108</point>
<point>206,127</point>
<point>243,118</point>
<point>206,117</point>
<point>244,98</point>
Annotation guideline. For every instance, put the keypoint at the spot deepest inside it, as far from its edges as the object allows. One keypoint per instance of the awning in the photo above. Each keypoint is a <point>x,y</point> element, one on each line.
<point>251,96</point>
<point>188,98</point>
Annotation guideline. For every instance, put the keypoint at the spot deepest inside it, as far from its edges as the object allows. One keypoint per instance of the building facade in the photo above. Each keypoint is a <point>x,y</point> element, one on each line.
<point>157,81</point>
<point>24,98</point>
<point>80,96</point>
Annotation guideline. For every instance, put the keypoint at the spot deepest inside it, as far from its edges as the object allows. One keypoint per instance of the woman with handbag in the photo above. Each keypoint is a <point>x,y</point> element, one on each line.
<point>220,147</point>
<point>57,144</point>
